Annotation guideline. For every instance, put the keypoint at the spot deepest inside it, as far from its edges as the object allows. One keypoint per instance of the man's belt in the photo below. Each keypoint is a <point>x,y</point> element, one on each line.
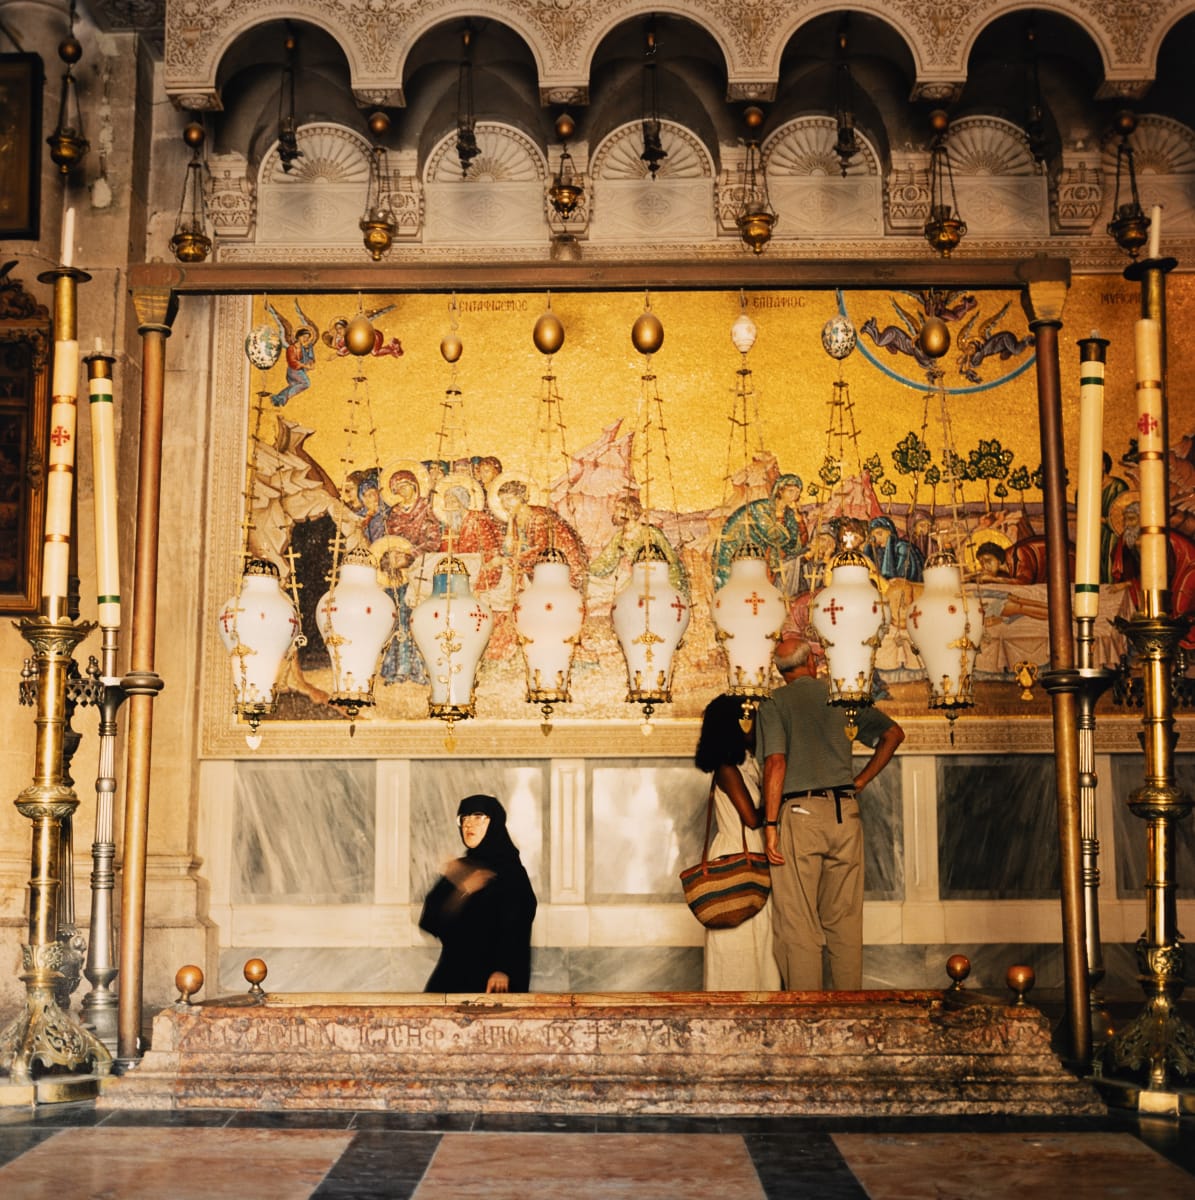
<point>838,794</point>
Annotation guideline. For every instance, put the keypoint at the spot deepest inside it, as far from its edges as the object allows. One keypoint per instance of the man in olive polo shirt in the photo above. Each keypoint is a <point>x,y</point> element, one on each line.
<point>812,830</point>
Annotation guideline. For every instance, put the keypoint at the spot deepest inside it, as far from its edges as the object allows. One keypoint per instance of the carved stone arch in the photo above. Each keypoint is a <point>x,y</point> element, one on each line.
<point>507,156</point>
<point>986,145</point>
<point>198,35</point>
<point>787,26</point>
<point>320,200</point>
<point>805,146</point>
<point>617,154</point>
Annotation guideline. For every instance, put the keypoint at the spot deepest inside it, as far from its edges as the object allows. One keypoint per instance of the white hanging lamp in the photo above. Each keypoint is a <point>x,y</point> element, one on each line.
<point>548,616</point>
<point>848,615</point>
<point>650,619</point>
<point>259,628</point>
<point>355,617</point>
<point>748,613</point>
<point>940,628</point>
<point>452,628</point>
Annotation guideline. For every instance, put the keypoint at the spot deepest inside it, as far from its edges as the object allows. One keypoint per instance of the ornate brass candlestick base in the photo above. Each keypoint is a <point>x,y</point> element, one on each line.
<point>1150,1064</point>
<point>45,1054</point>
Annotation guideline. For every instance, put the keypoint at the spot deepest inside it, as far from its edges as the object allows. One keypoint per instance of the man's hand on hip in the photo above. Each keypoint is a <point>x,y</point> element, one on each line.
<point>771,845</point>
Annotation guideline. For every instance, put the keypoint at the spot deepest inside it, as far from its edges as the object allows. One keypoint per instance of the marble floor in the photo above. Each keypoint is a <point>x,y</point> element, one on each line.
<point>73,1152</point>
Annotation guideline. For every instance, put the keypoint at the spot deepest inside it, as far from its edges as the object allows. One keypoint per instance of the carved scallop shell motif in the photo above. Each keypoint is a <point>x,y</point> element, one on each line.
<point>618,156</point>
<point>805,147</point>
<point>507,156</point>
<point>1160,147</point>
<point>331,154</point>
<point>988,146</point>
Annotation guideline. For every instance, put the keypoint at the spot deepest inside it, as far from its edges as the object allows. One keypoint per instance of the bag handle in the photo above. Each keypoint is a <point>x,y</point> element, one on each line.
<point>709,823</point>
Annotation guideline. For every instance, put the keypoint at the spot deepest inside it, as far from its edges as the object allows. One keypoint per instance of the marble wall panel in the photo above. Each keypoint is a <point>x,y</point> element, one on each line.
<point>882,809</point>
<point>437,788</point>
<point>1129,831</point>
<point>646,824</point>
<point>997,828</point>
<point>303,832</point>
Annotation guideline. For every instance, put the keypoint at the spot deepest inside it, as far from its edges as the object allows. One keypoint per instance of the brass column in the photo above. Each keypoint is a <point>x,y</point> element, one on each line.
<point>155,311</point>
<point>1044,300</point>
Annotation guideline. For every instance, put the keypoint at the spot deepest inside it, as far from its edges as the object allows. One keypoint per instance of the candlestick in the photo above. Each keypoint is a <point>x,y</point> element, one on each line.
<point>67,255</point>
<point>1155,233</point>
<point>103,450</point>
<point>1092,353</point>
<point>60,475</point>
<point>1151,466</point>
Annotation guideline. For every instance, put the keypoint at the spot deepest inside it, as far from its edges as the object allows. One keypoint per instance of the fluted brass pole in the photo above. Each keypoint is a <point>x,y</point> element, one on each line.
<point>45,1052</point>
<point>1152,1057</point>
<point>155,310</point>
<point>1044,301</point>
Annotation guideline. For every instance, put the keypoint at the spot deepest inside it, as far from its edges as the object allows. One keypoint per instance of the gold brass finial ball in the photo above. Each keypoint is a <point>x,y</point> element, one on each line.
<point>290,43</point>
<point>188,980</point>
<point>70,50</point>
<point>1020,979</point>
<point>647,334</point>
<point>548,334</point>
<point>753,117</point>
<point>939,120</point>
<point>958,967</point>
<point>193,134</point>
<point>1125,122</point>
<point>451,347</point>
<point>565,126</point>
<point>934,338</point>
<point>379,124</point>
<point>255,971</point>
<point>359,336</point>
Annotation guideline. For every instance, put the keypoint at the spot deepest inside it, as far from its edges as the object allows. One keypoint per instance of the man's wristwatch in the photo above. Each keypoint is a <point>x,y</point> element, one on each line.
<point>767,823</point>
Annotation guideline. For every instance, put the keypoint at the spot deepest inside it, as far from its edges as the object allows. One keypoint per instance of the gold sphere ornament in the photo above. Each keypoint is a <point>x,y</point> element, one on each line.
<point>193,134</point>
<point>647,333</point>
<point>934,338</point>
<point>939,120</point>
<point>451,347</point>
<point>548,334</point>
<point>379,124</point>
<point>1125,122</point>
<point>70,50</point>
<point>255,971</point>
<point>565,126</point>
<point>188,980</point>
<point>1020,979</point>
<point>753,117</point>
<point>958,967</point>
<point>359,336</point>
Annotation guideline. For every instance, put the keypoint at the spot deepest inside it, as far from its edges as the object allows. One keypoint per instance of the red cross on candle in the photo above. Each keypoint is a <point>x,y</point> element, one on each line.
<point>1147,423</point>
<point>60,436</point>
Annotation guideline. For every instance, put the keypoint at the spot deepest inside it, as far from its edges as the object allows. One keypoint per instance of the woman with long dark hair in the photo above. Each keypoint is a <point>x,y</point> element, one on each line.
<point>738,959</point>
<point>481,908</point>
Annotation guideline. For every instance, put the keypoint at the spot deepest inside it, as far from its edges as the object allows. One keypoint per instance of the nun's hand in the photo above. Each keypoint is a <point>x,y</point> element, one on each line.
<point>499,981</point>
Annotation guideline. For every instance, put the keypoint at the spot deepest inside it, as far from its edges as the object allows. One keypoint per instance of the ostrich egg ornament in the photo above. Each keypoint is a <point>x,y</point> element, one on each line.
<point>548,334</point>
<point>359,335</point>
<point>934,338</point>
<point>647,333</point>
<point>451,347</point>
<point>742,333</point>
<point>263,346</point>
<point>838,337</point>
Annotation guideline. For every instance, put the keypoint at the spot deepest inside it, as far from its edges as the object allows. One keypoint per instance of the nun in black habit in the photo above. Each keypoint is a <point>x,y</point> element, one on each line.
<point>481,908</point>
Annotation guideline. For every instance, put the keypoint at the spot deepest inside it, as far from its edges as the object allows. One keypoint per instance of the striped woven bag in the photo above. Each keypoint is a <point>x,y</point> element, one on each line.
<point>724,892</point>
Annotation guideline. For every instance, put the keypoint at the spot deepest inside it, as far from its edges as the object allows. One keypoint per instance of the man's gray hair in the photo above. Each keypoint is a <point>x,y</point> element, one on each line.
<point>791,654</point>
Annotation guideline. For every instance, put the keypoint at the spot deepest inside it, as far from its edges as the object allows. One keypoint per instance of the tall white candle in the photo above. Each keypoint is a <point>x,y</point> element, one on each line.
<point>60,471</point>
<point>1091,463</point>
<point>1151,466</point>
<point>1155,232</point>
<point>103,457</point>
<point>67,255</point>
